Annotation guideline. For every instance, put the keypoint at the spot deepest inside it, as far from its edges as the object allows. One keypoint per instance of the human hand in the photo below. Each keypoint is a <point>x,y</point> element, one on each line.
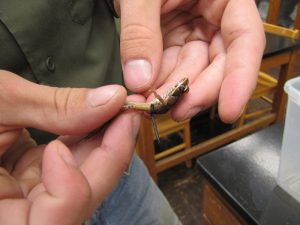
<point>217,44</point>
<point>64,181</point>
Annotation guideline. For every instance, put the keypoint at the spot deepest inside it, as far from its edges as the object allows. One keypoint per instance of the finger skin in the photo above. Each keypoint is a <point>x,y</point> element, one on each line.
<point>244,39</point>
<point>112,158</point>
<point>9,186</point>
<point>7,139</point>
<point>241,29</point>
<point>203,92</point>
<point>141,39</point>
<point>190,62</point>
<point>14,211</point>
<point>63,197</point>
<point>67,192</point>
<point>57,110</point>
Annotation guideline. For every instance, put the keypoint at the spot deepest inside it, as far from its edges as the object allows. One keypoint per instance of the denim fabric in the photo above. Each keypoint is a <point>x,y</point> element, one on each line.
<point>135,201</point>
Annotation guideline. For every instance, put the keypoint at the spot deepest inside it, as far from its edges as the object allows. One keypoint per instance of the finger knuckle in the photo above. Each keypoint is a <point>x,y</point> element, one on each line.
<point>62,103</point>
<point>136,38</point>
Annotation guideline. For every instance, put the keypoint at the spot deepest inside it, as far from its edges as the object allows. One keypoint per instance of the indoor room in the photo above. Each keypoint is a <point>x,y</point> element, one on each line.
<point>136,112</point>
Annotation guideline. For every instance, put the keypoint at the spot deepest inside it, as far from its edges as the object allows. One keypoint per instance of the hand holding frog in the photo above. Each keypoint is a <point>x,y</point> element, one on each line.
<point>218,45</point>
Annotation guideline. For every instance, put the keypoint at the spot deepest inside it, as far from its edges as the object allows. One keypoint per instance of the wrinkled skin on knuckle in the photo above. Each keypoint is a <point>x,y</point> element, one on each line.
<point>212,11</point>
<point>136,39</point>
<point>67,105</point>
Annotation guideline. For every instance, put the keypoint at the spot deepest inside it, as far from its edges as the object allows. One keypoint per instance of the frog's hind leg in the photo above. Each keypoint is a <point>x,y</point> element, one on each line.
<point>158,97</point>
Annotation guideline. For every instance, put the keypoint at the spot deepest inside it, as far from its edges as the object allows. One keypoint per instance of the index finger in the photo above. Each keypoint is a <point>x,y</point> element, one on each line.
<point>112,156</point>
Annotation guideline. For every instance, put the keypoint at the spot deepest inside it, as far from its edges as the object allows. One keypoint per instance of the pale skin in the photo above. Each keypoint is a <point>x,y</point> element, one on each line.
<point>216,44</point>
<point>57,183</point>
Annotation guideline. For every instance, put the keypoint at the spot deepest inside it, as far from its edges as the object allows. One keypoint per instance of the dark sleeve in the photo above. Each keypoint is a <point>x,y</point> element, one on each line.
<point>110,4</point>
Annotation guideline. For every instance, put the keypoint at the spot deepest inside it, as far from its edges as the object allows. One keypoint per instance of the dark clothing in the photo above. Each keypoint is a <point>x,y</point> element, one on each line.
<point>60,43</point>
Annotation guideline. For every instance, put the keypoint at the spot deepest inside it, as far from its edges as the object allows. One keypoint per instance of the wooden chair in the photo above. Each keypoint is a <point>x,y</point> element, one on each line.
<point>267,83</point>
<point>166,127</point>
<point>274,12</point>
<point>282,31</point>
<point>266,86</point>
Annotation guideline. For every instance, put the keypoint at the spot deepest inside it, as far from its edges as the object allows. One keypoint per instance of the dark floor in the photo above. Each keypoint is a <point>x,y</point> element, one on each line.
<point>182,185</point>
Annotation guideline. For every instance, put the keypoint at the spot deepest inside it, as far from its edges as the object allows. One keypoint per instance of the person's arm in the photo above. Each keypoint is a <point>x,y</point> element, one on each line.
<point>57,183</point>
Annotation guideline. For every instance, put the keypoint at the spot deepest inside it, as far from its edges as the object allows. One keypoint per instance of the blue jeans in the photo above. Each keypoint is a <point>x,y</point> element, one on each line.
<point>135,201</point>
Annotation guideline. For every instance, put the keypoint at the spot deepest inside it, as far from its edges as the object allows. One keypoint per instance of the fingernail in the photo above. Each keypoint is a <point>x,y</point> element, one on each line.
<point>65,155</point>
<point>136,120</point>
<point>101,95</point>
<point>137,72</point>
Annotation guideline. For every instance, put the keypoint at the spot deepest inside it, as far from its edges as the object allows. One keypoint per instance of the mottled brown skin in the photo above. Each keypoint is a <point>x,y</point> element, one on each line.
<point>162,104</point>
<point>171,98</point>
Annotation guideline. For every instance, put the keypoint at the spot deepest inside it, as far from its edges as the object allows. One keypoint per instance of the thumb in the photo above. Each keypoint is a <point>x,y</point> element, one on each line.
<point>141,42</point>
<point>57,110</point>
<point>67,194</point>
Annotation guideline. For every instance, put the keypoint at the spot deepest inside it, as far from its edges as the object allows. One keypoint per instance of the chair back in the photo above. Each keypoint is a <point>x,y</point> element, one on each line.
<point>279,19</point>
<point>282,31</point>
<point>277,7</point>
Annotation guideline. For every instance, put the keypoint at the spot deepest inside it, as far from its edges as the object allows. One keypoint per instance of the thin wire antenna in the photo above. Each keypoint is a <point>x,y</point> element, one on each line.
<point>155,128</point>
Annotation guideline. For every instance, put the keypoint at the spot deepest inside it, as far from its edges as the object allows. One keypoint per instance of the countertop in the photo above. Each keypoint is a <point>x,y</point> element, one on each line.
<point>245,171</point>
